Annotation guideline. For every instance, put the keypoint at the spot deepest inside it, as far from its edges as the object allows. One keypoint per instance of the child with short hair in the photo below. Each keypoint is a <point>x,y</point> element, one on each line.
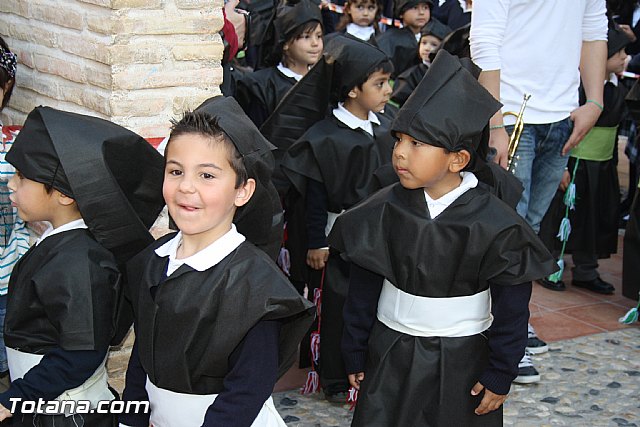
<point>331,168</point>
<point>299,46</point>
<point>444,265</point>
<point>401,44</point>
<point>96,183</point>
<point>216,322</point>
<point>431,39</point>
<point>360,19</point>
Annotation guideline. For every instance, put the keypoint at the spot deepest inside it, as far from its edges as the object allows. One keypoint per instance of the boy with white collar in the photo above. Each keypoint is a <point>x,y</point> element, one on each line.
<point>332,168</point>
<point>98,185</point>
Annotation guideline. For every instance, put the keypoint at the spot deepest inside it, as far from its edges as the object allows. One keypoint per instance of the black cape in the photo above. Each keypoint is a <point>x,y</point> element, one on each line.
<point>40,314</point>
<point>486,242</point>
<point>259,93</point>
<point>407,82</point>
<point>401,46</point>
<point>185,335</point>
<point>340,157</point>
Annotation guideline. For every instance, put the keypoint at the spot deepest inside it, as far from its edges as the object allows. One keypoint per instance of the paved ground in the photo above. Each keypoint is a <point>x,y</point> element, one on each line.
<point>587,381</point>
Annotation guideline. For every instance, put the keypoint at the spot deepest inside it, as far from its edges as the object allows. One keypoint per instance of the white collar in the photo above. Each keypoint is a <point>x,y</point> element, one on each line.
<point>418,37</point>
<point>436,206</point>
<point>347,117</point>
<point>207,257</point>
<point>427,63</point>
<point>464,7</point>
<point>75,224</point>
<point>288,72</point>
<point>363,33</point>
<point>613,78</point>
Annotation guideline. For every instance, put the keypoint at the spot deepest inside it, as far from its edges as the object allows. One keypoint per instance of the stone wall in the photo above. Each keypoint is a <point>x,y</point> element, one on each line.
<point>135,62</point>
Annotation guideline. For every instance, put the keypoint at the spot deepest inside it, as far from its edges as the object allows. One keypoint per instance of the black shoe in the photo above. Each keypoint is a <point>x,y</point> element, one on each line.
<point>554,286</point>
<point>339,397</point>
<point>596,285</point>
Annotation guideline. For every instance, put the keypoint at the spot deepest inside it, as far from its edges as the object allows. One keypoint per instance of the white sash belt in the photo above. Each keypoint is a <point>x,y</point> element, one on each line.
<point>93,389</point>
<point>171,409</point>
<point>434,317</point>
<point>331,219</point>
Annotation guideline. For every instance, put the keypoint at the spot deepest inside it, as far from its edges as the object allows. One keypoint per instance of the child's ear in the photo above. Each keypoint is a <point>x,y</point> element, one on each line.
<point>63,199</point>
<point>460,159</point>
<point>245,192</point>
<point>352,94</point>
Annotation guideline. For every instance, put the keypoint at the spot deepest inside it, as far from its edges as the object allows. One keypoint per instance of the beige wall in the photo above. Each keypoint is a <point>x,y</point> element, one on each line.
<point>136,62</point>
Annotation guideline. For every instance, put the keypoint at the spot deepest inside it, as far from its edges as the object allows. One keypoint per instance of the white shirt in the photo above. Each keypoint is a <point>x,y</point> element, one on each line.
<point>204,259</point>
<point>437,206</point>
<point>76,224</point>
<point>288,72</point>
<point>346,117</point>
<point>363,33</point>
<point>536,46</point>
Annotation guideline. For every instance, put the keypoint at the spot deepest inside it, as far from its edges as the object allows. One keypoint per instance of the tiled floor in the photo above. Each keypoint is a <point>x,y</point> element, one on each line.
<point>577,312</point>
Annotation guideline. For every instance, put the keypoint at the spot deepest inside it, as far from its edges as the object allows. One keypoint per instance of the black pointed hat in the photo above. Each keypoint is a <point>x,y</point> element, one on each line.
<point>402,5</point>
<point>352,59</point>
<point>261,219</point>
<point>448,108</point>
<point>113,174</point>
<point>291,17</point>
<point>435,28</point>
<point>616,40</point>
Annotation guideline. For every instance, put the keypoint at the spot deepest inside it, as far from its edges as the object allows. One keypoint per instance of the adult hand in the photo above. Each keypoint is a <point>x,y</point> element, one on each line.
<point>317,258</point>
<point>628,32</point>
<point>584,117</point>
<point>499,139</point>
<point>490,400</point>
<point>356,379</point>
<point>236,19</point>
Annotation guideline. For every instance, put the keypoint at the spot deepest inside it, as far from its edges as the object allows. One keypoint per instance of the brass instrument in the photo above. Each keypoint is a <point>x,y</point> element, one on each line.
<point>514,139</point>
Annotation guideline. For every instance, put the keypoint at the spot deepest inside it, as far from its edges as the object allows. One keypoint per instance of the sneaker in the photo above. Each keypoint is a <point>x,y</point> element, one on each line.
<point>527,374</point>
<point>534,344</point>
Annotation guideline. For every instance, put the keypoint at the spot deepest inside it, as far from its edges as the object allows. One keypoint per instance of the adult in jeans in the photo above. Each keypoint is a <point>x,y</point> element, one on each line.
<point>541,48</point>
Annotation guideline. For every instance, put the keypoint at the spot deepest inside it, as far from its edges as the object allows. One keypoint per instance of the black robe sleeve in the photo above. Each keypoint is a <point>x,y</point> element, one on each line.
<point>134,389</point>
<point>316,214</point>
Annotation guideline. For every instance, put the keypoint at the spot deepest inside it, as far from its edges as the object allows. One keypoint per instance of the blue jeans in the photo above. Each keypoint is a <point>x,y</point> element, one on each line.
<point>3,351</point>
<point>539,165</point>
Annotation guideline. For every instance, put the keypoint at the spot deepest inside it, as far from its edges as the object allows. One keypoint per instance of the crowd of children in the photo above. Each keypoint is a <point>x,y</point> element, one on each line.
<point>397,227</point>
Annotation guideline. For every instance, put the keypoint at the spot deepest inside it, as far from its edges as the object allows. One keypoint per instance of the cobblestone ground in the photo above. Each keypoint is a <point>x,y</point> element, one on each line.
<point>587,381</point>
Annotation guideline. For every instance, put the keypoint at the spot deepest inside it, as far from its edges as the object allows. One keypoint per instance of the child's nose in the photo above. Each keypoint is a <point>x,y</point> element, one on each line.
<point>186,185</point>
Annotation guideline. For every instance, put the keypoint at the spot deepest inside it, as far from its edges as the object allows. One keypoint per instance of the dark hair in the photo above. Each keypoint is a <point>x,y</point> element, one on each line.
<point>203,124</point>
<point>346,18</point>
<point>385,66</point>
<point>5,78</point>
<point>276,56</point>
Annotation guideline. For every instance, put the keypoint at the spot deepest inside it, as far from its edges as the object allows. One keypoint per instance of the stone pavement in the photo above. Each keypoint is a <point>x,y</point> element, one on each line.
<point>588,381</point>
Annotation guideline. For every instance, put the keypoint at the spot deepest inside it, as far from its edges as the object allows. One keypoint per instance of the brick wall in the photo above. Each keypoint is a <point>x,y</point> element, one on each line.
<point>135,62</point>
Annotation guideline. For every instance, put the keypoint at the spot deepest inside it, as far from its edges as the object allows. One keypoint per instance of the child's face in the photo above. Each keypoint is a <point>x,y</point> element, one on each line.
<point>31,199</point>
<point>427,45</point>
<point>617,63</point>
<point>362,13</point>
<point>199,187</point>
<point>375,92</point>
<point>307,48</point>
<point>420,165</point>
<point>416,17</point>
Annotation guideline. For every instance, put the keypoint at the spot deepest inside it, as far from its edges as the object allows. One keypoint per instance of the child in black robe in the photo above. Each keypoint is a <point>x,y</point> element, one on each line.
<point>97,184</point>
<point>361,19</point>
<point>401,44</point>
<point>331,168</point>
<point>299,46</point>
<point>216,321</point>
<point>431,37</point>
<point>444,265</point>
<point>594,221</point>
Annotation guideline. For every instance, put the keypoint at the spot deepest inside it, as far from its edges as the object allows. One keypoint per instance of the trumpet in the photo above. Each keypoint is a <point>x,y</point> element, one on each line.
<point>514,139</point>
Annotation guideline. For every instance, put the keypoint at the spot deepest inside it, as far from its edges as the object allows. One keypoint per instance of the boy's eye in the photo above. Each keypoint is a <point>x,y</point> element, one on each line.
<point>175,172</point>
<point>206,175</point>
<point>416,143</point>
